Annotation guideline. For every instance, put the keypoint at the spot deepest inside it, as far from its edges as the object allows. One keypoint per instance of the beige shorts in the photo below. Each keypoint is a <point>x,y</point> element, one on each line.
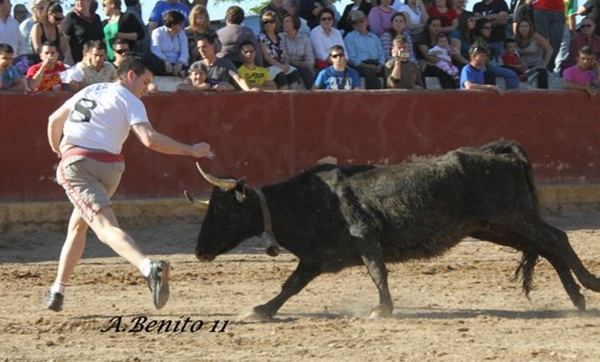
<point>89,184</point>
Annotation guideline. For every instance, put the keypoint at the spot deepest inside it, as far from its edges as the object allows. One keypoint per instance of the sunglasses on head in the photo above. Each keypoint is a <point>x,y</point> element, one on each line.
<point>479,49</point>
<point>335,56</point>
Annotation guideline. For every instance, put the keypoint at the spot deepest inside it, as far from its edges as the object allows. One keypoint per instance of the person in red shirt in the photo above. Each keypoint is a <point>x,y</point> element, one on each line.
<point>45,75</point>
<point>549,19</point>
<point>447,14</point>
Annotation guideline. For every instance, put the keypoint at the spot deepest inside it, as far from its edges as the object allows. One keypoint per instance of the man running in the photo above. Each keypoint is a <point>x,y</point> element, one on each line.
<point>87,134</point>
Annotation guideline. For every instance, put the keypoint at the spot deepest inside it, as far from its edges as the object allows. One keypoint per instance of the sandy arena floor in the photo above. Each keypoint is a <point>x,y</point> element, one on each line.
<point>461,307</point>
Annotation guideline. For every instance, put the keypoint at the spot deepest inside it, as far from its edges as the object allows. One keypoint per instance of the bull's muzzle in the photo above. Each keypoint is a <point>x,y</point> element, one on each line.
<point>203,257</point>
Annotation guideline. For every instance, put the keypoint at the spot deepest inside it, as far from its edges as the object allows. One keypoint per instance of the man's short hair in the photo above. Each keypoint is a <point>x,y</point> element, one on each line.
<point>586,50</point>
<point>94,44</point>
<point>48,44</point>
<point>173,17</point>
<point>244,43</point>
<point>508,41</point>
<point>235,15</point>
<point>478,49</point>
<point>133,62</point>
<point>399,40</point>
<point>6,49</point>
<point>206,37</point>
<point>120,41</point>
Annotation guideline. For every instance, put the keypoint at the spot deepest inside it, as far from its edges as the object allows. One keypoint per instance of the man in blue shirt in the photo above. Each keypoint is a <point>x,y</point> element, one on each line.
<point>365,52</point>
<point>471,76</point>
<point>10,77</point>
<point>338,75</point>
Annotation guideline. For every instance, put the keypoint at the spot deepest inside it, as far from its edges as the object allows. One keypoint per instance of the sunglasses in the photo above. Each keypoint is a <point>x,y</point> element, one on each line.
<point>58,18</point>
<point>268,22</point>
<point>335,56</point>
<point>121,51</point>
<point>586,25</point>
<point>327,19</point>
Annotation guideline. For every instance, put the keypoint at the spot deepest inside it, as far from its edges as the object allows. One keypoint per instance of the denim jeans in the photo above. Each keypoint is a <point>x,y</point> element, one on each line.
<point>550,25</point>
<point>511,79</point>
<point>563,52</point>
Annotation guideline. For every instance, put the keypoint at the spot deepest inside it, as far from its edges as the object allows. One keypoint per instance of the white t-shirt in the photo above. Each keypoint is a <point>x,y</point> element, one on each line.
<point>101,116</point>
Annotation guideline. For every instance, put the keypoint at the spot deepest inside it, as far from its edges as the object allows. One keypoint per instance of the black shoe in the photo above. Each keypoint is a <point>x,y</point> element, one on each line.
<point>158,282</point>
<point>54,301</point>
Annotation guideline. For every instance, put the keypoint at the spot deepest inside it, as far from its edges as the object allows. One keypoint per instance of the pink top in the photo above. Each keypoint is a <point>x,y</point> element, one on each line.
<point>579,76</point>
<point>380,21</point>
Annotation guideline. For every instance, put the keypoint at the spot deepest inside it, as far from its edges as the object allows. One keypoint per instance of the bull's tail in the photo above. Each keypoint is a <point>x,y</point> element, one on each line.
<point>514,150</point>
<point>525,271</point>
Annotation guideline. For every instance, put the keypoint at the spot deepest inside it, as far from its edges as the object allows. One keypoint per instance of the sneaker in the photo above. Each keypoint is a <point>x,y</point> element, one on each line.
<point>54,301</point>
<point>158,282</point>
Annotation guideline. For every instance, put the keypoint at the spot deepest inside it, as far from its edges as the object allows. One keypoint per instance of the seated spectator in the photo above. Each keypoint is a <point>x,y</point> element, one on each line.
<point>45,76</point>
<point>345,25</point>
<point>219,70</point>
<point>169,44</point>
<point>299,50</point>
<point>20,13</point>
<point>324,36</point>
<point>274,54</point>
<point>199,24</point>
<point>535,51</point>
<point>463,37</point>
<point>292,6</point>
<point>584,37</point>
<point>380,17</point>
<point>120,47</point>
<point>445,51</point>
<point>584,75</point>
<point>423,43</point>
<point>483,31</point>
<point>161,8</point>
<point>400,72</point>
<point>276,6</point>
<point>233,34</point>
<point>80,26</point>
<point>338,76</point>
<point>120,25</point>
<point>10,33</point>
<point>37,7</point>
<point>365,52</point>
<point>471,75</point>
<point>416,16</point>
<point>446,13</point>
<point>95,67</point>
<point>522,12</point>
<point>10,77</point>
<point>512,60</point>
<point>256,77</point>
<point>48,30</point>
<point>398,28</point>
<point>197,80</point>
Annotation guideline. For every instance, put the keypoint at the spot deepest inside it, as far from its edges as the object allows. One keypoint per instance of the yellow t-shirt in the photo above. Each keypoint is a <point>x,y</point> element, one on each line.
<point>254,77</point>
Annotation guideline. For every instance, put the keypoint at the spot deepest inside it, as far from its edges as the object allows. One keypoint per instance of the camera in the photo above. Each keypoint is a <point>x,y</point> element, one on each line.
<point>400,53</point>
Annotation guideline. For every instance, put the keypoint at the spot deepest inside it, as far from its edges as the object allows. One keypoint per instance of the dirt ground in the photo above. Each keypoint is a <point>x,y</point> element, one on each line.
<point>461,307</point>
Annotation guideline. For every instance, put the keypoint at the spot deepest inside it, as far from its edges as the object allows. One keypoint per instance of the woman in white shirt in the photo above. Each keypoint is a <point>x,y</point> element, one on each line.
<point>324,36</point>
<point>416,16</point>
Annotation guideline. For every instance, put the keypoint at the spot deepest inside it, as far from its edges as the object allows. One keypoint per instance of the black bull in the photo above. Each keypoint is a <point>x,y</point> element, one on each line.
<point>332,217</point>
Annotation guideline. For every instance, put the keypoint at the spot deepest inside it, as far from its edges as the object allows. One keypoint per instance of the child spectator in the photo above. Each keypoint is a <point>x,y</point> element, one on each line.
<point>338,75</point>
<point>198,80</point>
<point>444,51</point>
<point>45,75</point>
<point>581,76</point>
<point>255,76</point>
<point>10,77</point>
<point>512,60</point>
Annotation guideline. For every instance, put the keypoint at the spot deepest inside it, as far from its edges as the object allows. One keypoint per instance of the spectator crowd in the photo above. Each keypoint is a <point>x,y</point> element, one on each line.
<point>304,44</point>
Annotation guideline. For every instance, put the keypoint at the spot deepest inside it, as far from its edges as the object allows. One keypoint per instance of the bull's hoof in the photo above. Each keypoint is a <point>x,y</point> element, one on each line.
<point>258,313</point>
<point>580,303</point>
<point>381,312</point>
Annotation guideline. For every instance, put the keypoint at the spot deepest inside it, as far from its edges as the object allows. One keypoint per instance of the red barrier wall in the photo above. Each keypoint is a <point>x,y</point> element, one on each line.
<point>271,136</point>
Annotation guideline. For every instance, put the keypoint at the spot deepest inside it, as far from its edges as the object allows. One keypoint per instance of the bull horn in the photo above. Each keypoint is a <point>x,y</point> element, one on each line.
<point>201,204</point>
<point>225,184</point>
